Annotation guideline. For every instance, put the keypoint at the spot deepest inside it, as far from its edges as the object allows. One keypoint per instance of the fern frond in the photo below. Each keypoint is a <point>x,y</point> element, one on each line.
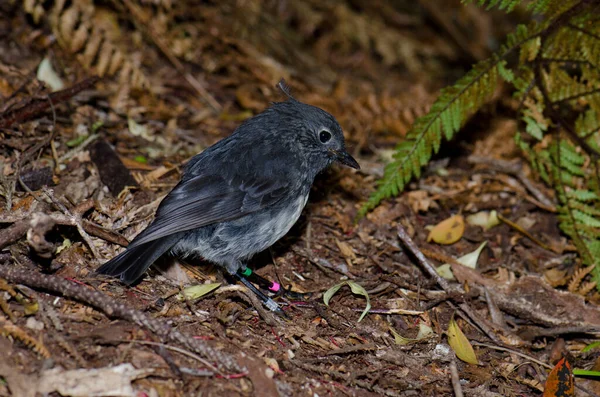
<point>559,65</point>
<point>505,5</point>
<point>75,27</point>
<point>9,329</point>
<point>551,8</point>
<point>578,277</point>
<point>545,7</point>
<point>454,106</point>
<point>587,287</point>
<point>582,195</point>
<point>579,216</point>
<point>575,43</point>
<point>563,86</point>
<point>447,115</point>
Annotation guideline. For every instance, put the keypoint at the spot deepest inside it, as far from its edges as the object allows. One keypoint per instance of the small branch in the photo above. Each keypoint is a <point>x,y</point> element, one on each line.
<point>524,232</point>
<point>412,247</point>
<point>33,106</point>
<point>116,309</point>
<point>175,349</point>
<point>253,300</point>
<point>13,233</point>
<point>455,379</point>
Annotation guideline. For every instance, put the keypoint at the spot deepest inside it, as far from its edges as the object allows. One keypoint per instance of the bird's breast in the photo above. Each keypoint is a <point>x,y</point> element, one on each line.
<point>239,239</point>
<point>257,231</point>
<point>282,221</point>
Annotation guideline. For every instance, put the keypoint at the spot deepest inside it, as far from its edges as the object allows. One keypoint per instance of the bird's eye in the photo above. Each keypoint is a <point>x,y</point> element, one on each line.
<point>324,136</point>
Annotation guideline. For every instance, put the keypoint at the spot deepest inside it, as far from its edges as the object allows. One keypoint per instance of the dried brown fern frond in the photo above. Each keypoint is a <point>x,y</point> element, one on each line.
<point>9,329</point>
<point>587,288</point>
<point>92,34</point>
<point>392,114</point>
<point>31,305</point>
<point>576,286</point>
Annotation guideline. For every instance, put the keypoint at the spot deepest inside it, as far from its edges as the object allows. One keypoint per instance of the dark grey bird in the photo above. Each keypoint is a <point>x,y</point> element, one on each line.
<point>241,195</point>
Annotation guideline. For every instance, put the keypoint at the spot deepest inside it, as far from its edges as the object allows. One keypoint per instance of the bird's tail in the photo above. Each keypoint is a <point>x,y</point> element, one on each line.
<point>131,264</point>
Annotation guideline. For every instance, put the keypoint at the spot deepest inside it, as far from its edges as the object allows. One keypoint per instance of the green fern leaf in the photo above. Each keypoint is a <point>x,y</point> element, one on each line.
<point>582,195</point>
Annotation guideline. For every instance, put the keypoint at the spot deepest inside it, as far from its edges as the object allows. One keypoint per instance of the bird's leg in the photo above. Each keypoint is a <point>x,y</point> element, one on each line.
<point>262,282</point>
<point>272,286</point>
<point>268,302</point>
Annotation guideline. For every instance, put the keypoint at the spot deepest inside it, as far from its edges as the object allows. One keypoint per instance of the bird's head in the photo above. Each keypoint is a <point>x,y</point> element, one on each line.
<point>317,133</point>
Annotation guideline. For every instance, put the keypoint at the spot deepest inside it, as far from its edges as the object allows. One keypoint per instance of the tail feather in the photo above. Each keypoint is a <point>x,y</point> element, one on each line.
<point>131,264</point>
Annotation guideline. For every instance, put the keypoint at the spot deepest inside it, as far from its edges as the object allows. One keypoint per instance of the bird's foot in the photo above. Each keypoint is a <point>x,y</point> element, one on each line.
<point>268,302</point>
<point>273,286</point>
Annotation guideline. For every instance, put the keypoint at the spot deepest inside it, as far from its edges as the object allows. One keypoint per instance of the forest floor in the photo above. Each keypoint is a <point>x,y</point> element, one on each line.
<point>83,169</point>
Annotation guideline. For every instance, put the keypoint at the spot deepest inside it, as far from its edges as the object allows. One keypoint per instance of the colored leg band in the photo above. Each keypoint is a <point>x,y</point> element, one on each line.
<point>246,272</point>
<point>275,287</point>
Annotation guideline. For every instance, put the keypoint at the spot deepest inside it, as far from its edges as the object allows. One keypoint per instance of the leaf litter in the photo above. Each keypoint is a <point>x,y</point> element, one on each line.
<point>178,76</point>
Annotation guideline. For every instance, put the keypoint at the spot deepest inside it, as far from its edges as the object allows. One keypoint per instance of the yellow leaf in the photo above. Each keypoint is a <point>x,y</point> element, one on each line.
<point>445,271</point>
<point>401,340</point>
<point>197,291</point>
<point>448,231</point>
<point>425,332</point>
<point>460,344</point>
<point>470,259</point>
<point>485,219</point>
<point>31,307</point>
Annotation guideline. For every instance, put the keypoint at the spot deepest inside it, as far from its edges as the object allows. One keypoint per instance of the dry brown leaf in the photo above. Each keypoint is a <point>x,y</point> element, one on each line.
<point>345,249</point>
<point>420,201</point>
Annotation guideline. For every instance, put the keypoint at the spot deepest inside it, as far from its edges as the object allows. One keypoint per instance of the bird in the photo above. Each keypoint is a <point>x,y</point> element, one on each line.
<point>242,194</point>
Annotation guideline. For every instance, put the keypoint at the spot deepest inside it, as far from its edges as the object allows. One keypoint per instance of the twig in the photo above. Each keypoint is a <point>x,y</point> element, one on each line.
<point>443,283</point>
<point>175,349</point>
<point>352,349</point>
<point>116,309</point>
<point>32,106</point>
<point>251,298</point>
<point>412,247</point>
<point>75,221</point>
<point>583,389</point>
<point>78,149</point>
<point>455,379</point>
<point>524,232</point>
<point>20,226</point>
<point>515,352</point>
<point>324,264</point>
<point>345,377</point>
<point>495,313</point>
<point>13,233</point>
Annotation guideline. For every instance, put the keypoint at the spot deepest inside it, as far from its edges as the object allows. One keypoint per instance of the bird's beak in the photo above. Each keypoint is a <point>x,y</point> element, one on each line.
<point>344,158</point>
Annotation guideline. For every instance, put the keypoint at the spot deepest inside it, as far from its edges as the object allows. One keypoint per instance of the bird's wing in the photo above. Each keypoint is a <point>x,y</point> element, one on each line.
<point>204,199</point>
